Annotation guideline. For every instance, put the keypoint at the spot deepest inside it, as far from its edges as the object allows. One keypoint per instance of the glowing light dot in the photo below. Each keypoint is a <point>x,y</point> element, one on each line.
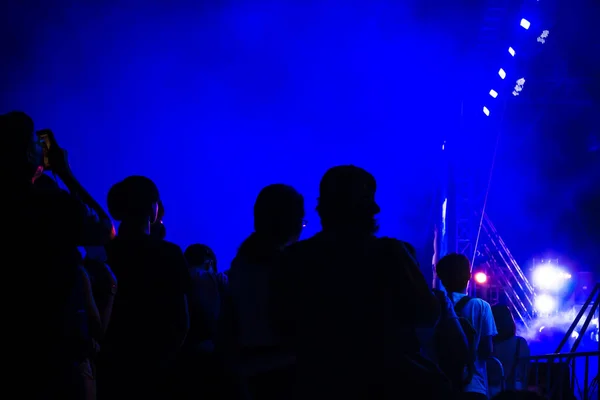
<point>486,111</point>
<point>525,24</point>
<point>480,277</point>
<point>511,51</point>
<point>493,93</point>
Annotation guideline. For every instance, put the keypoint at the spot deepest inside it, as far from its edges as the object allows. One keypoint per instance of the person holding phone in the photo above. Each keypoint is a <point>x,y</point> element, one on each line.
<point>45,317</point>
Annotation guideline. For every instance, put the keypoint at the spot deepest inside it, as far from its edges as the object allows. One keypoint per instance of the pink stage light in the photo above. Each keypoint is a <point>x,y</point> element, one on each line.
<point>480,278</point>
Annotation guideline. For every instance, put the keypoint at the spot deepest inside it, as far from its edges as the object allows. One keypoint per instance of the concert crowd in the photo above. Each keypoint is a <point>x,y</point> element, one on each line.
<point>97,313</point>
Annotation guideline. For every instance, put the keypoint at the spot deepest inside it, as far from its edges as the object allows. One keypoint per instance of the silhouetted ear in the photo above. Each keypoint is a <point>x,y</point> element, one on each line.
<point>153,213</point>
<point>161,210</point>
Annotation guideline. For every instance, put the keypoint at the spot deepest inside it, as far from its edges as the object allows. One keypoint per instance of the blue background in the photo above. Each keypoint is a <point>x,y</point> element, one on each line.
<point>213,101</point>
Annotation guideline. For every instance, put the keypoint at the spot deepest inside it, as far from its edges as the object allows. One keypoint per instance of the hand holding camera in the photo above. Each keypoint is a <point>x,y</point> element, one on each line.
<point>54,157</point>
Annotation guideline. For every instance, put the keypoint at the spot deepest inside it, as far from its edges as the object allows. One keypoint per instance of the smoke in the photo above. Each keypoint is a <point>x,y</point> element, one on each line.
<point>214,100</point>
<point>550,330</point>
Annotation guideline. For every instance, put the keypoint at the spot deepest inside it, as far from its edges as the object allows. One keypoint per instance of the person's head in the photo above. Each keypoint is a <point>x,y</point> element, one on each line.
<point>454,270</point>
<point>201,256</point>
<point>279,214</point>
<point>504,322</point>
<point>347,200</point>
<point>134,200</point>
<point>278,222</point>
<point>22,152</point>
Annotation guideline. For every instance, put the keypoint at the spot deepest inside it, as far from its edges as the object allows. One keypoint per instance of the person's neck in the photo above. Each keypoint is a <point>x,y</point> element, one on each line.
<point>459,291</point>
<point>134,228</point>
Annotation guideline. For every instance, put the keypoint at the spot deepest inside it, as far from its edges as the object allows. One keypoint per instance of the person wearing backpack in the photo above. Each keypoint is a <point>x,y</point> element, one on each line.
<point>476,320</point>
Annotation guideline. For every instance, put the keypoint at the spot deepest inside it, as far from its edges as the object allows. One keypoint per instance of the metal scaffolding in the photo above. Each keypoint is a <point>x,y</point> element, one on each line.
<point>503,269</point>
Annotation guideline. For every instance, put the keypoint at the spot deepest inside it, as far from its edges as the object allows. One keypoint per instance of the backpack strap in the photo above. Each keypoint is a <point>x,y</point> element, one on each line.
<point>458,307</point>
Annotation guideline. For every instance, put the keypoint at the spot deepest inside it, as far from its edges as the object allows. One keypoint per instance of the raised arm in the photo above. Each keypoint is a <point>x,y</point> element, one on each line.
<point>96,226</point>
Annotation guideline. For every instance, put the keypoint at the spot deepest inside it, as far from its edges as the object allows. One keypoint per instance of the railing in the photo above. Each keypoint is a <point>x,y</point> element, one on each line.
<point>593,300</point>
<point>557,376</point>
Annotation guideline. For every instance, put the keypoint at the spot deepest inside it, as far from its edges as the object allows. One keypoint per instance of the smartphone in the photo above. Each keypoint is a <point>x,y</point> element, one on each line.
<point>45,138</point>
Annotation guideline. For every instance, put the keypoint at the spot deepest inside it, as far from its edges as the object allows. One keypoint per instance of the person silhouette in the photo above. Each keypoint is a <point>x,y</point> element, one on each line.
<point>454,271</point>
<point>508,348</point>
<point>47,225</point>
<point>150,320</point>
<point>349,303</point>
<point>263,363</point>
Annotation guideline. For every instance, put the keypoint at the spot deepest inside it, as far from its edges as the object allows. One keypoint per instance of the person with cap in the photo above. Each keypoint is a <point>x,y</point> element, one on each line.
<point>256,353</point>
<point>47,326</point>
<point>349,303</point>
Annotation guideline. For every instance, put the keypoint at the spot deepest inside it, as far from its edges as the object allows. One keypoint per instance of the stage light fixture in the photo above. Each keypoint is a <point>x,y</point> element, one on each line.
<point>545,304</point>
<point>525,24</point>
<point>480,278</point>
<point>550,278</point>
<point>502,73</point>
<point>518,87</point>
<point>493,93</point>
<point>542,38</point>
<point>486,111</point>
<point>511,51</point>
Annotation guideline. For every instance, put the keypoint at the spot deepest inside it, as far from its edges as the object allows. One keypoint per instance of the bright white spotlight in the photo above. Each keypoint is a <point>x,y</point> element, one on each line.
<point>545,304</point>
<point>550,278</point>
<point>502,73</point>
<point>486,111</point>
<point>525,24</point>
<point>511,51</point>
<point>493,93</point>
<point>480,278</point>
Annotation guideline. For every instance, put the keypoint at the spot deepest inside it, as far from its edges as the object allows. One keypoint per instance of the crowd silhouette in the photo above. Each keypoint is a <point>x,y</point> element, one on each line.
<point>341,315</point>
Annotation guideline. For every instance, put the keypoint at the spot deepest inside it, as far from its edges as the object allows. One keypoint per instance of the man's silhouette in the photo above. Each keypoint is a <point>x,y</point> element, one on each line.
<point>150,319</point>
<point>44,317</point>
<point>349,303</point>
